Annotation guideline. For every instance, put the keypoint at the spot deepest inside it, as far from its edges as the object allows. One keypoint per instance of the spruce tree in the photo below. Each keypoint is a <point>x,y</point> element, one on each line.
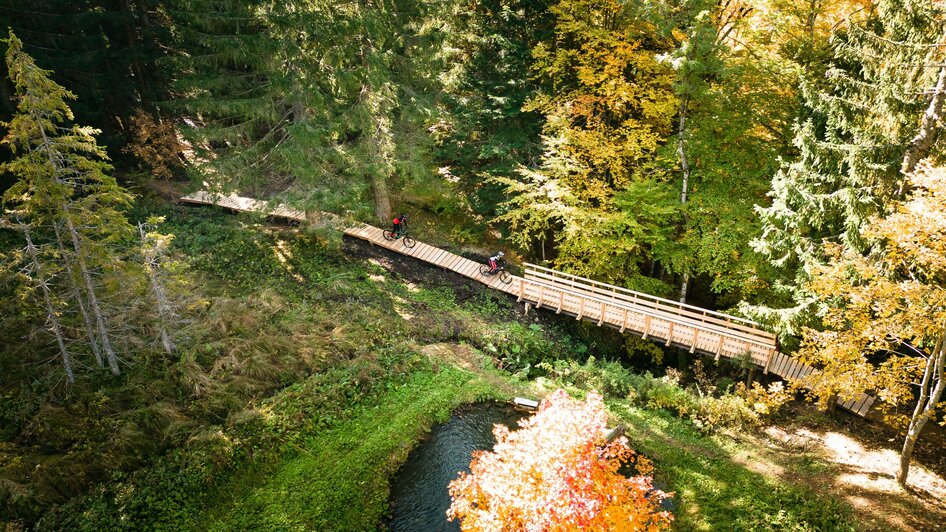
<point>323,103</point>
<point>860,118</point>
<point>63,183</point>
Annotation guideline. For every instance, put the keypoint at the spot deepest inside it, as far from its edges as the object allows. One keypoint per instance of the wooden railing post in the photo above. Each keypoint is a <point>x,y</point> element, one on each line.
<point>522,289</point>
<point>669,334</point>
<point>624,323</point>
<point>601,317</point>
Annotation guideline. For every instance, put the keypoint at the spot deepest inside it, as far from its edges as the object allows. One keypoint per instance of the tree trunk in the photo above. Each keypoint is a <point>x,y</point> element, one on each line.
<point>681,148</point>
<point>750,377</point>
<point>93,301</point>
<point>931,391</point>
<point>382,202</point>
<point>160,297</point>
<point>923,141</point>
<point>51,313</point>
<point>685,170</point>
<point>77,294</point>
<point>80,261</point>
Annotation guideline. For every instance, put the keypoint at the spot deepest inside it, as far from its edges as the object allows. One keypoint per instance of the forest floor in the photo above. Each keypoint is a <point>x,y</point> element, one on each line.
<point>405,343</point>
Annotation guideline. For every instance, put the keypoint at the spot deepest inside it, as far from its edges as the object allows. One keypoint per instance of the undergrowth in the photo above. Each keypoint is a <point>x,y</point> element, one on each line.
<point>298,389</point>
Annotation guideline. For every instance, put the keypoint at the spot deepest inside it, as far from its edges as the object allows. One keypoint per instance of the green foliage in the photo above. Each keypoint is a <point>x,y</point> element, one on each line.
<point>485,132</point>
<point>860,116</point>
<point>741,408</point>
<point>327,102</point>
<point>109,53</point>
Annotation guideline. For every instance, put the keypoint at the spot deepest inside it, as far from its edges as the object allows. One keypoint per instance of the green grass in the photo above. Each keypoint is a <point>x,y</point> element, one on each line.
<point>712,490</point>
<point>339,480</point>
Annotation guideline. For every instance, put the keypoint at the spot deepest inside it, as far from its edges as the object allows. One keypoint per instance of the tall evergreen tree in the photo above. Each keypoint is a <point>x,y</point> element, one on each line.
<point>486,133</point>
<point>108,51</point>
<point>324,103</point>
<point>64,184</point>
<point>861,117</point>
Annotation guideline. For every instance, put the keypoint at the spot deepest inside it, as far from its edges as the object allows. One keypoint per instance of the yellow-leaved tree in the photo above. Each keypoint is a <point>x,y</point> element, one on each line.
<point>885,313</point>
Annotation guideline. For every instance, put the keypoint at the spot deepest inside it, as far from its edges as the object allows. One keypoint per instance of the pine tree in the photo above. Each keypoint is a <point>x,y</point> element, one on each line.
<point>859,123</point>
<point>63,183</point>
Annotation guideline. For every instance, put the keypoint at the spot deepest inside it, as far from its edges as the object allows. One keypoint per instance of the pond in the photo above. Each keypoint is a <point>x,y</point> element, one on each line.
<point>419,497</point>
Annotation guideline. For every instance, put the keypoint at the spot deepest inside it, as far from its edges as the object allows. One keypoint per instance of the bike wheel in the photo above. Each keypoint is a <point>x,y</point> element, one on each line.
<point>409,242</point>
<point>388,235</point>
<point>505,277</point>
<point>485,269</point>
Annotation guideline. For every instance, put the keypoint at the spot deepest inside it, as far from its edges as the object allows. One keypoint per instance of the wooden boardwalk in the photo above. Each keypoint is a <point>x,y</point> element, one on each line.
<point>672,323</point>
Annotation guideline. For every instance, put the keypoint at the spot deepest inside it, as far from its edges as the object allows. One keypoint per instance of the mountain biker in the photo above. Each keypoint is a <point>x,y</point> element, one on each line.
<point>399,225</point>
<point>496,262</point>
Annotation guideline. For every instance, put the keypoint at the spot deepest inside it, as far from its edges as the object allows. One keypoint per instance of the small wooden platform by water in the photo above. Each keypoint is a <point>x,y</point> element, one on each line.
<point>672,323</point>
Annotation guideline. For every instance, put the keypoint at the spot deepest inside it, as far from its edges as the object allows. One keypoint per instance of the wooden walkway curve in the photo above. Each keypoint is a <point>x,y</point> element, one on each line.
<point>672,323</point>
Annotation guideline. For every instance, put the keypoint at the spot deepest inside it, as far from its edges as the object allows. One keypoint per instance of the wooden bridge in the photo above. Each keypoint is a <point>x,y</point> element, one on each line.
<point>672,323</point>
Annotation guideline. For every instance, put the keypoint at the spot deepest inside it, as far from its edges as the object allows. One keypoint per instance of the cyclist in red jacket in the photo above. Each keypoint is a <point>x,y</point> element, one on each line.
<point>399,225</point>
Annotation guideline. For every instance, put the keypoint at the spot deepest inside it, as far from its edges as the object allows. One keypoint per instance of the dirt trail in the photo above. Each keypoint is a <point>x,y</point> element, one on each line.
<point>843,465</point>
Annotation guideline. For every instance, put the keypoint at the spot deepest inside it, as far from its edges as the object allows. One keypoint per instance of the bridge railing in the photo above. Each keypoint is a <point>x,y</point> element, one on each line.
<point>553,290</point>
<point>750,328</point>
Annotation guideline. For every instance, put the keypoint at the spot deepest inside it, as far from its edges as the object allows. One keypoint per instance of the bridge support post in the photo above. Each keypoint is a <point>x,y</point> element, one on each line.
<point>750,377</point>
<point>527,308</point>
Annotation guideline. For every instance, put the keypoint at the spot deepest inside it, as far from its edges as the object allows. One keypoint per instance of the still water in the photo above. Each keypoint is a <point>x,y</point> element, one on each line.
<point>419,497</point>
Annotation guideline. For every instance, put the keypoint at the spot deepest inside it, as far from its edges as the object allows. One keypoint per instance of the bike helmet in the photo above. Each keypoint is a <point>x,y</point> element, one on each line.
<point>500,254</point>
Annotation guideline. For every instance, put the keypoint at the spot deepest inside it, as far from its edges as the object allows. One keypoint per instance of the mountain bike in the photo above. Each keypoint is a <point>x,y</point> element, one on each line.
<point>504,276</point>
<point>408,241</point>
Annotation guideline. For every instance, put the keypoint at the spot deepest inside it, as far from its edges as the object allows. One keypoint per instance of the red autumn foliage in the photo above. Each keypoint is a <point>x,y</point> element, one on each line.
<point>557,473</point>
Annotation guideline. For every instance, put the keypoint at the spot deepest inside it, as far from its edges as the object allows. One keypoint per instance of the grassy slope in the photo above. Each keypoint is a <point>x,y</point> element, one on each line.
<point>339,479</point>
<point>320,453</point>
<point>713,491</point>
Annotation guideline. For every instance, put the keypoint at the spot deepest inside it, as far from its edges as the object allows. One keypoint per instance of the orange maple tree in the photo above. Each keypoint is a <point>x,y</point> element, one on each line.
<point>557,472</point>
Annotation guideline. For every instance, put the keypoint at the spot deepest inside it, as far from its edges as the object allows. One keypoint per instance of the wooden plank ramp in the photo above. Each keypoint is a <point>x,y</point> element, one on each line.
<point>672,323</point>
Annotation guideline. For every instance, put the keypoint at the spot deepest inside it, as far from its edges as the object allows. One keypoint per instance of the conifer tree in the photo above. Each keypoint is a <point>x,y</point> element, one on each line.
<point>323,103</point>
<point>861,116</point>
<point>41,278</point>
<point>63,183</point>
<point>485,132</point>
